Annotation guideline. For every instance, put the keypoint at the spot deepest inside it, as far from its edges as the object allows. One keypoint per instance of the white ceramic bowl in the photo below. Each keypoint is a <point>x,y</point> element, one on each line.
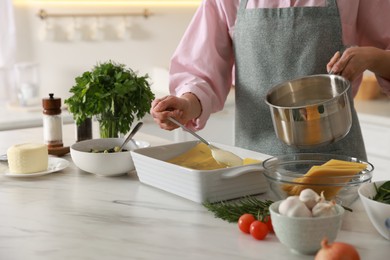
<point>377,212</point>
<point>105,164</point>
<point>304,235</point>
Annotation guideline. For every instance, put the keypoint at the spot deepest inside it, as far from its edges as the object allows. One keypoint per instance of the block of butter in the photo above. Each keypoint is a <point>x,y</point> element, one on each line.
<point>28,158</point>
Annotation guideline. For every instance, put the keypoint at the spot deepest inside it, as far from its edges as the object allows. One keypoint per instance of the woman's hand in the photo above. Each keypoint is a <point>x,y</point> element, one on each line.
<point>355,60</point>
<point>182,108</point>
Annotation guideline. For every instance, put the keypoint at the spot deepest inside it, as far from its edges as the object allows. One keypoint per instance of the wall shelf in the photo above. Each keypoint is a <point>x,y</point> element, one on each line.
<point>43,14</point>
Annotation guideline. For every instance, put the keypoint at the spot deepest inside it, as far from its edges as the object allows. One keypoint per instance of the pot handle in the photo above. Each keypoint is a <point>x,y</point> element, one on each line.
<point>233,173</point>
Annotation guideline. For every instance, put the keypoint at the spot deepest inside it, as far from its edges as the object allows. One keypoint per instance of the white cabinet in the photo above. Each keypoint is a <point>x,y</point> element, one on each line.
<point>376,134</point>
<point>374,117</point>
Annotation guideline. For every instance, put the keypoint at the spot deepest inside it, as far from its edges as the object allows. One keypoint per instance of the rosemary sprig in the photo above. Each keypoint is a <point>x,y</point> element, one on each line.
<point>232,211</point>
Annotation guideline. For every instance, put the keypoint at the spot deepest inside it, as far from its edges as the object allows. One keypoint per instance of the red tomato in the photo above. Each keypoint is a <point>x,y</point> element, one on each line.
<point>245,221</point>
<point>258,230</point>
<point>267,220</point>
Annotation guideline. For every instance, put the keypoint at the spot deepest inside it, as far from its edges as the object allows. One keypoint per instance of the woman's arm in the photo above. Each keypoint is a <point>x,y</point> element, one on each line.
<point>202,63</point>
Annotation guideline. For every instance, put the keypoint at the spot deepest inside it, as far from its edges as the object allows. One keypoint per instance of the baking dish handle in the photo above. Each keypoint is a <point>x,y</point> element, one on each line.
<point>233,173</point>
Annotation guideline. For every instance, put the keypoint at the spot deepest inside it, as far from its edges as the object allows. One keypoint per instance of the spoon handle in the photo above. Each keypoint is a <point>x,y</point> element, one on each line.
<point>188,130</point>
<point>132,133</point>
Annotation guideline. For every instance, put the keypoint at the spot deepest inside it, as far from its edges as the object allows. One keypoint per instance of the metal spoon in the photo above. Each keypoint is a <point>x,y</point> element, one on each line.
<point>223,157</point>
<point>132,133</point>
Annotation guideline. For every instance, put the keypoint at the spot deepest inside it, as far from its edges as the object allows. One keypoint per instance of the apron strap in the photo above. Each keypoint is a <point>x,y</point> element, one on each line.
<point>333,9</point>
<point>332,4</point>
<point>243,4</point>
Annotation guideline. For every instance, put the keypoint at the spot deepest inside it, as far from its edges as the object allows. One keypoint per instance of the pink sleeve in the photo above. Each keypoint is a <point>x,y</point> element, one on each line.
<point>203,61</point>
<point>372,22</point>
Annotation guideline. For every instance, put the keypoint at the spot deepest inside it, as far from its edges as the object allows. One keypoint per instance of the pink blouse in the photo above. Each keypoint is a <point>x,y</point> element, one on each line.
<point>203,62</point>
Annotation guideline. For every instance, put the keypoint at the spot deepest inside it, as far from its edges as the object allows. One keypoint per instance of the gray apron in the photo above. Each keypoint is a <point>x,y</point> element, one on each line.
<point>275,45</point>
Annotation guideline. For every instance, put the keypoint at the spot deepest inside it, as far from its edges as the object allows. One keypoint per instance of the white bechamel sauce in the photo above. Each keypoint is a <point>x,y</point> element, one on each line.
<point>225,157</point>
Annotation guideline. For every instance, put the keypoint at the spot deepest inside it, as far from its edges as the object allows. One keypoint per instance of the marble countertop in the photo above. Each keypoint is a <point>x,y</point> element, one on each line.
<point>76,215</point>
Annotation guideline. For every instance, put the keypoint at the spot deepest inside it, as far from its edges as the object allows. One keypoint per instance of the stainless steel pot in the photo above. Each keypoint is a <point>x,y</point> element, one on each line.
<point>311,111</point>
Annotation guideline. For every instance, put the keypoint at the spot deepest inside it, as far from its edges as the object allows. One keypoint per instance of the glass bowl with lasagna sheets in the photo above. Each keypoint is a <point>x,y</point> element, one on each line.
<point>336,177</point>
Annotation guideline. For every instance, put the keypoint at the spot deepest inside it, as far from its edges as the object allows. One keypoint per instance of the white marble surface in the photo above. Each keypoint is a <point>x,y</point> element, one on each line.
<point>76,215</point>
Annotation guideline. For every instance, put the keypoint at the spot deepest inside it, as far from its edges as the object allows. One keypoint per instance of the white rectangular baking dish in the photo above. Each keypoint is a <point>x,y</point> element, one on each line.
<point>199,185</point>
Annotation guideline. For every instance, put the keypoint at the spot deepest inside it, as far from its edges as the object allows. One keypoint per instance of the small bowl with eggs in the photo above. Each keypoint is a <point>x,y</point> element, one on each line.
<point>338,176</point>
<point>99,156</point>
<point>188,169</point>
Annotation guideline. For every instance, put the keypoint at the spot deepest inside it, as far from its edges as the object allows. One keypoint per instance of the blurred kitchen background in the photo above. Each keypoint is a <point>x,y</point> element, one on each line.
<point>66,38</point>
<point>45,44</point>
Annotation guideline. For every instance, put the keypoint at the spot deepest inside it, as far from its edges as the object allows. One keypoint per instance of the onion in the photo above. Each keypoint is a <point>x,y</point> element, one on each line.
<point>336,251</point>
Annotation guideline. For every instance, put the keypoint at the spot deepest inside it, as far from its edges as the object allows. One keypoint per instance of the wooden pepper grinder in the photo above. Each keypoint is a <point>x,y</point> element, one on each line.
<point>52,125</point>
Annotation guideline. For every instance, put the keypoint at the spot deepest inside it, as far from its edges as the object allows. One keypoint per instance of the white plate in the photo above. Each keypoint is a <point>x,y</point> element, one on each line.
<point>55,165</point>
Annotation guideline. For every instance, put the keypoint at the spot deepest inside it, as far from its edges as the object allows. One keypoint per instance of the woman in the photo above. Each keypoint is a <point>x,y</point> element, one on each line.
<point>265,43</point>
